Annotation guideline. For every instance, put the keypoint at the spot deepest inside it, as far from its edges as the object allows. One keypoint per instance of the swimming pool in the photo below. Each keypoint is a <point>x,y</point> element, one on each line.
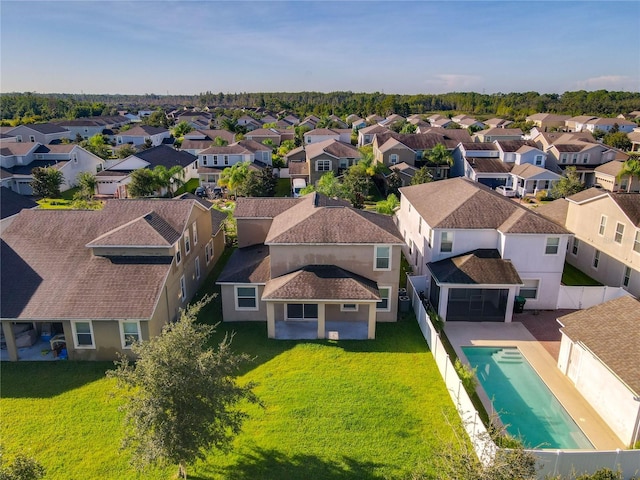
<point>523,402</point>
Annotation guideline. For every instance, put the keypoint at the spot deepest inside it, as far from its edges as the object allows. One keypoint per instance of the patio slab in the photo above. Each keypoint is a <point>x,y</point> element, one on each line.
<point>515,334</point>
<point>335,330</point>
<point>34,353</point>
<point>543,326</point>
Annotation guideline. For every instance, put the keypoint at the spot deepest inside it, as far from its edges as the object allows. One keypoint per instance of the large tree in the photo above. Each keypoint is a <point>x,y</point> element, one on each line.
<point>98,145</point>
<point>260,183</point>
<point>233,177</point>
<point>181,129</point>
<point>46,182</point>
<point>143,183</point>
<point>157,119</point>
<point>439,155</point>
<point>568,185</point>
<point>182,397</point>
<point>126,150</point>
<point>356,184</point>
<point>86,186</point>
<point>631,169</point>
<point>328,185</point>
<point>422,175</point>
<point>617,140</point>
<point>168,178</point>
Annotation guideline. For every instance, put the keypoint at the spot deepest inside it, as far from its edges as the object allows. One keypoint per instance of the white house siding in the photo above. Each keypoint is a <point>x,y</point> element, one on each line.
<point>309,139</point>
<point>139,140</point>
<point>527,254</point>
<point>463,241</point>
<point>601,388</point>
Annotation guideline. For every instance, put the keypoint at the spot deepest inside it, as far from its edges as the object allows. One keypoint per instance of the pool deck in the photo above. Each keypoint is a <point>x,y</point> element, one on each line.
<point>515,334</point>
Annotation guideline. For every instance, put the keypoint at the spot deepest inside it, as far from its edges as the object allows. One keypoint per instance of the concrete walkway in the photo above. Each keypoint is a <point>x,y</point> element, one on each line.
<point>516,335</point>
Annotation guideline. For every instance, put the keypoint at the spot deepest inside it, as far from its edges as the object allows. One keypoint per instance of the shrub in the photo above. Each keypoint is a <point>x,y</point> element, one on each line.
<point>467,376</point>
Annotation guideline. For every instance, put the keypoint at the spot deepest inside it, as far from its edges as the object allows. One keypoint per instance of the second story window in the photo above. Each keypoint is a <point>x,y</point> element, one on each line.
<point>563,158</point>
<point>538,160</point>
<point>187,242</point>
<point>576,246</point>
<point>383,257</point>
<point>226,159</point>
<point>215,159</point>
<point>204,160</point>
<point>446,242</point>
<point>619,232</point>
<point>420,225</point>
<point>552,246</point>
<point>195,233</point>
<point>323,165</point>
<point>178,254</point>
<point>636,242</point>
<point>393,159</point>
<point>603,225</point>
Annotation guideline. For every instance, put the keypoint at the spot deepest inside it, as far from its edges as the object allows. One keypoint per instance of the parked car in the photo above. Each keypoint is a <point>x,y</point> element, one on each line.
<point>201,192</point>
<point>506,191</point>
<point>298,185</point>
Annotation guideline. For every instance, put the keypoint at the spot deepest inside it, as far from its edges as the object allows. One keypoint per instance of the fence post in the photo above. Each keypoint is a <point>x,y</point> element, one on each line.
<point>446,365</point>
<point>555,467</point>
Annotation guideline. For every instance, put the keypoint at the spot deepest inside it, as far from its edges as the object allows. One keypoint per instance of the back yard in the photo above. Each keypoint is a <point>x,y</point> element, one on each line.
<point>348,410</point>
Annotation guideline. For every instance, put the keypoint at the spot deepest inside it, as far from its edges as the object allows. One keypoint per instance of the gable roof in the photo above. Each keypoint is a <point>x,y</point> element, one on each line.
<point>479,267</point>
<point>142,131</point>
<point>318,219</point>
<point>500,132</point>
<point>11,202</point>
<point>247,265</point>
<point>44,128</point>
<point>555,211</point>
<point>488,165</point>
<point>8,149</point>
<point>263,207</point>
<point>321,282</point>
<point>332,147</point>
<point>527,170</point>
<point>166,156</point>
<point>614,341</point>
<point>458,203</point>
<point>514,145</point>
<point>611,168</point>
<point>49,273</point>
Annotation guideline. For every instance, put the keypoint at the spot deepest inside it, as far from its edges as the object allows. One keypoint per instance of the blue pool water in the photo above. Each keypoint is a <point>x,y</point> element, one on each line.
<point>523,402</point>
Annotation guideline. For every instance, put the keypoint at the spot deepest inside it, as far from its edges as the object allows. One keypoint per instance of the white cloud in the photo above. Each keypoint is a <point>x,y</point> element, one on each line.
<point>609,82</point>
<point>450,82</point>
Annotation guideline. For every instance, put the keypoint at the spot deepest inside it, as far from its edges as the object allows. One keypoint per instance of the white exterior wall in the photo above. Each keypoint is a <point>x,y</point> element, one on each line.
<point>86,162</point>
<point>527,253</point>
<point>601,388</point>
<point>463,241</point>
<point>530,158</point>
<point>84,131</point>
<point>139,140</point>
<point>309,139</point>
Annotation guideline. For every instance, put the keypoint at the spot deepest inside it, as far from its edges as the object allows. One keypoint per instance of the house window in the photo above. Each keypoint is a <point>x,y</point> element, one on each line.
<point>619,232</point>
<point>19,138</point>
<point>129,333</point>
<point>178,254</point>
<point>574,158</point>
<point>596,259</point>
<point>302,311</point>
<point>215,159</point>
<point>636,242</point>
<point>383,305</point>
<point>183,289</point>
<point>626,277</point>
<point>246,298</point>
<point>195,233</point>
<point>603,225</point>
<point>208,251</point>
<point>393,159</point>
<point>585,158</point>
<point>226,159</point>
<point>74,157</point>
<point>82,335</point>
<point>32,138</point>
<point>446,242</point>
<point>187,242</point>
<point>204,160</point>
<point>576,245</point>
<point>349,307</point>
<point>382,257</point>
<point>563,158</point>
<point>323,165</point>
<point>552,246</point>
<point>198,268</point>
<point>344,163</point>
<point>538,160</point>
<point>530,289</point>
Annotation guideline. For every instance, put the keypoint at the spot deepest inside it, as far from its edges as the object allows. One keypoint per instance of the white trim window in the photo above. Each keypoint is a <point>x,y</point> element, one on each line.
<point>636,242</point>
<point>552,246</point>
<point>446,242</point>
<point>384,305</point>
<point>183,289</point>
<point>129,332</point>
<point>195,233</point>
<point>246,297</point>
<point>208,252</point>
<point>530,289</point>
<point>187,242</point>
<point>619,233</point>
<point>323,165</point>
<point>302,311</point>
<point>197,267</point>
<point>82,335</point>
<point>563,158</point>
<point>603,225</point>
<point>178,254</point>
<point>393,158</point>
<point>538,160</point>
<point>596,259</point>
<point>626,277</point>
<point>349,307</point>
<point>575,247</point>
<point>382,257</point>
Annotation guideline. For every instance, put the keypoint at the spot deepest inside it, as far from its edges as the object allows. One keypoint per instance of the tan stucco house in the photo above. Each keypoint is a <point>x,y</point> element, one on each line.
<point>104,279</point>
<point>312,267</point>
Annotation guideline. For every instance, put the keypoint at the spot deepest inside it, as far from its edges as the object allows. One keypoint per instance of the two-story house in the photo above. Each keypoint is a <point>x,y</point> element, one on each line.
<point>608,124</point>
<point>606,229</point>
<point>111,277</point>
<point>197,140</point>
<point>477,250</point>
<point>312,267</point>
<point>88,127</point>
<point>140,134</point>
<point>491,134</point>
<point>548,121</point>
<point>321,134</point>
<point>43,133</point>
<point>322,157</point>
<point>366,134</point>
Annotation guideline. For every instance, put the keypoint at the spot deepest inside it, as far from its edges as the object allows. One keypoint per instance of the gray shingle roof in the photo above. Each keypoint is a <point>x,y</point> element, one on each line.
<point>12,202</point>
<point>610,330</point>
<point>166,156</point>
<point>489,165</point>
<point>479,267</point>
<point>247,265</point>
<point>555,211</point>
<point>263,207</point>
<point>321,282</point>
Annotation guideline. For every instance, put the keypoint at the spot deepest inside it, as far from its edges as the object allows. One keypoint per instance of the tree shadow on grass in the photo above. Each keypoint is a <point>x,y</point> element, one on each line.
<point>48,379</point>
<point>273,464</point>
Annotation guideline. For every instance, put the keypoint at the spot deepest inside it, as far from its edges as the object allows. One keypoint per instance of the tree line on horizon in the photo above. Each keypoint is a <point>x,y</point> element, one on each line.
<point>31,107</point>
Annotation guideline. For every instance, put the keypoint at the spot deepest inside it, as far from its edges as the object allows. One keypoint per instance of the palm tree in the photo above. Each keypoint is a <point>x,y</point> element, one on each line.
<point>439,155</point>
<point>168,178</point>
<point>234,176</point>
<point>630,168</point>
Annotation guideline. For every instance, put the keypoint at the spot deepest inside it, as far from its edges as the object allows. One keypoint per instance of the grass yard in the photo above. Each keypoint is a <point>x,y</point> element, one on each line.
<point>348,410</point>
<point>283,189</point>
<point>573,277</point>
<point>190,187</point>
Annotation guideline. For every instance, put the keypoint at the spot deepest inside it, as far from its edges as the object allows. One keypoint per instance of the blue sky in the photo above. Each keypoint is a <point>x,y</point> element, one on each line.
<point>364,46</point>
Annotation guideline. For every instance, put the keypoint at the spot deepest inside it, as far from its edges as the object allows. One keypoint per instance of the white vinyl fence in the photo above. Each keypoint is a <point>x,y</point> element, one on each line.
<point>586,297</point>
<point>550,462</point>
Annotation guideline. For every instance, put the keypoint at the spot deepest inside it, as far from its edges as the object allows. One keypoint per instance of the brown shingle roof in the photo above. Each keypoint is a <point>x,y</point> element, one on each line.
<point>489,165</point>
<point>332,147</point>
<point>610,168</point>
<point>318,219</point>
<point>142,131</point>
<point>527,170</point>
<point>263,207</point>
<point>8,149</point>
<point>629,203</point>
<point>321,282</point>
<point>610,330</point>
<point>247,265</point>
<point>479,267</point>
<point>555,211</point>
<point>514,145</point>
<point>458,203</point>
<point>48,273</point>
<point>500,132</point>
<point>298,168</point>
<point>148,230</point>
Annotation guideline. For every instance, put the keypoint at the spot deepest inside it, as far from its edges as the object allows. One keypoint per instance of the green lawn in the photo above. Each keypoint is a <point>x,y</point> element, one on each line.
<point>573,277</point>
<point>348,410</point>
<point>190,187</point>
<point>283,189</point>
